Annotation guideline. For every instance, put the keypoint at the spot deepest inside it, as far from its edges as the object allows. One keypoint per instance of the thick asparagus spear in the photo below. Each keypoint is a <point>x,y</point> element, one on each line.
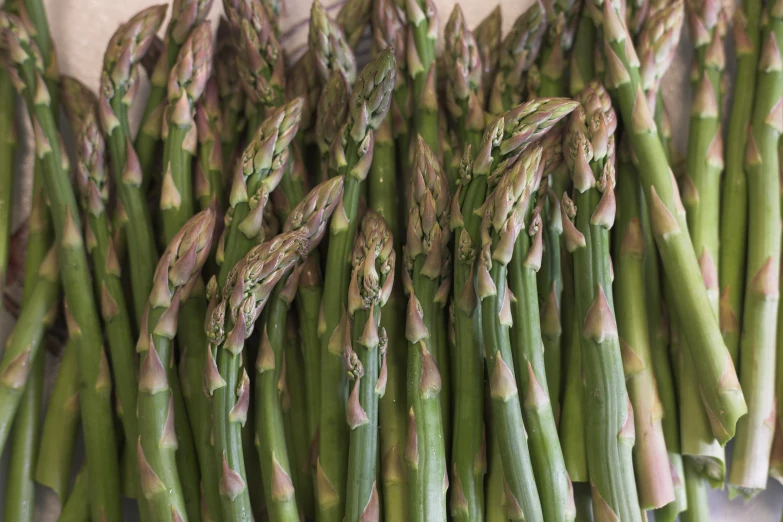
<point>119,85</point>
<point>371,285</point>
<point>503,216</point>
<point>94,376</point>
<point>229,322</point>
<point>750,460</point>
<point>428,237</point>
<point>185,16</point>
<point>719,385</point>
<point>422,20</point>
<point>176,274</point>
<point>589,153</point>
<point>653,472</point>
<point>734,197</point>
<point>352,155</point>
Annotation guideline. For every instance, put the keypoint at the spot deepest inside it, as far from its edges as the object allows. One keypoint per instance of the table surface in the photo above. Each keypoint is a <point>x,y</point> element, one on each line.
<point>81,29</point>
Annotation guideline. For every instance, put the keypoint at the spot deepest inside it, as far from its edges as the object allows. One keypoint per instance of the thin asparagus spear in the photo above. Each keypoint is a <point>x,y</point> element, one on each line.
<point>60,427</point>
<point>718,382</point>
<point>229,322</point>
<point>209,169</point>
<point>352,154</point>
<point>353,17</point>
<point>489,35</point>
<point>77,508</point>
<point>330,117</point>
<point>93,368</point>
<point>528,355</point>
<point>422,20</point>
<point>428,237</point>
<point>119,84</point>
<point>7,172</point>
<point>653,473</point>
<point>562,19</point>
<point>582,65</point>
<point>176,274</point>
<point>371,285</point>
<point>517,54</point>
<point>695,484</point>
<point>589,153</point>
<point>750,460</point>
<point>232,96</point>
<point>734,198</point>
<point>503,215</point>
<point>186,15</point>
<point>572,419</point>
<point>303,81</point>
<point>495,491</point>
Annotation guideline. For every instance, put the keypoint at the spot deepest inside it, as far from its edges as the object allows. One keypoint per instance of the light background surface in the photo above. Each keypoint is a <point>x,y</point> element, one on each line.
<point>81,30</point>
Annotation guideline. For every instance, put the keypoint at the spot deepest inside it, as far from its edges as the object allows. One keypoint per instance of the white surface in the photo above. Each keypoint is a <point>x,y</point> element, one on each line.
<point>81,29</point>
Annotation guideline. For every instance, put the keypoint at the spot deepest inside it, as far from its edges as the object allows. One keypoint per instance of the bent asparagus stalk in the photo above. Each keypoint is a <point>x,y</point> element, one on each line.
<point>722,394</point>
<point>750,460</point>
<point>94,373</point>
<point>371,285</point>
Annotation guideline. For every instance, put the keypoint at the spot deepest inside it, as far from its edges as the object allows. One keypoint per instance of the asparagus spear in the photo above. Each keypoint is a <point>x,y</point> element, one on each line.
<point>698,509</point>
<point>371,283</point>
<point>230,321</point>
<point>734,198</point>
<point>176,274</point>
<point>517,54</point>
<point>503,216</point>
<point>186,15</point>
<point>331,51</point>
<point>582,65</point>
<point>7,160</point>
<point>330,117</point>
<point>589,153</point>
<point>119,85</point>
<point>722,394</point>
<point>422,20</point>
<point>77,508</point>
<point>209,168</point>
<point>353,17</point>
<point>352,155</point>
<point>653,473</point>
<point>309,216</point>
<point>428,237</point>
<point>562,19</point>
<point>750,461</point>
<point>94,377</point>
<point>488,35</point>
<point>232,96</point>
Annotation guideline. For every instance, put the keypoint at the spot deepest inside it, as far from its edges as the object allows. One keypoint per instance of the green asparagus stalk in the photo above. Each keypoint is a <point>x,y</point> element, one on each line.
<point>464,95</point>
<point>562,19</point>
<point>330,117</point>
<point>119,85</point>
<point>94,376</point>
<point>653,473</point>
<point>720,388</point>
<point>734,198</point>
<point>303,81</point>
<point>582,65</point>
<point>352,155</point>
<point>176,274</point>
<point>503,216</point>
<point>695,485</point>
<point>330,48</point>
<point>495,491</point>
<point>528,355</point>
<point>371,285</point>
<point>353,17</point>
<point>428,237</point>
<point>422,20</point>
<point>77,508</point>
<point>589,153</point>
<point>750,460</point>
<point>7,173</point>
<point>229,322</point>
<point>489,36</point>
<point>518,53</point>
<point>186,15</point>
<point>232,96</point>
<point>208,175</point>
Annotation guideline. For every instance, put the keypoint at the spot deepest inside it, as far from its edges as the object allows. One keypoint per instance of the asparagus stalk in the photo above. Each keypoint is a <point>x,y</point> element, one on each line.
<point>428,237</point>
<point>353,17</point>
<point>7,173</point>
<point>209,169</point>
<point>589,146</point>
<point>77,508</point>
<point>371,285</point>
<point>698,508</point>
<point>175,276</point>
<point>720,388</point>
<point>330,48</point>
<point>232,96</point>
<point>653,473</point>
<point>562,19</point>
<point>734,198</point>
<point>229,322</point>
<point>422,20</point>
<point>518,53</point>
<point>582,65</point>
<point>528,356</point>
<point>489,36</point>
<point>330,117</point>
<point>94,376</point>
<point>119,85</point>
<point>503,216</point>
<point>186,15</point>
<point>352,155</point>
<point>750,461</point>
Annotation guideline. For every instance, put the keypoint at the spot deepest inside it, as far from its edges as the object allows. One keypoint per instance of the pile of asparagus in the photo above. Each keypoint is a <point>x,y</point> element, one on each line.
<point>480,285</point>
